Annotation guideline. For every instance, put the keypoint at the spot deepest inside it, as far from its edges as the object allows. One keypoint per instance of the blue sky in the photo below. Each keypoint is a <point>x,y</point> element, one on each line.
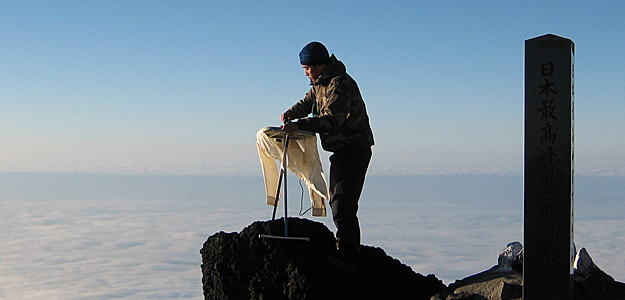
<point>184,85</point>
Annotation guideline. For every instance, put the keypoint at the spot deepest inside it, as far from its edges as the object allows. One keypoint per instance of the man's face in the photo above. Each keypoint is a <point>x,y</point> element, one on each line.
<point>312,72</point>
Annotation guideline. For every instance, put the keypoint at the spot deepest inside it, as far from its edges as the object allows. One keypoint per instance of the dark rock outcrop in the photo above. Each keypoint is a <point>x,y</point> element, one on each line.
<point>245,266</point>
<point>490,284</point>
<point>592,283</point>
<point>505,281</point>
<point>494,284</point>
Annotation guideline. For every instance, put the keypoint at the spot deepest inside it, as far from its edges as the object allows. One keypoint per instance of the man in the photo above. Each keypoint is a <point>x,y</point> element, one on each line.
<point>340,118</point>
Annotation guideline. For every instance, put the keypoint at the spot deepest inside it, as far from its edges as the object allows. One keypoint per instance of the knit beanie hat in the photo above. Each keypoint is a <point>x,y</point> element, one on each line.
<point>314,53</point>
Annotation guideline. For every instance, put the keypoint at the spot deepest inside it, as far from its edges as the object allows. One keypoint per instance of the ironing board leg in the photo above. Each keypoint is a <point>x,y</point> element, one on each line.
<point>284,170</point>
<point>275,203</point>
<point>280,179</point>
<point>286,225</point>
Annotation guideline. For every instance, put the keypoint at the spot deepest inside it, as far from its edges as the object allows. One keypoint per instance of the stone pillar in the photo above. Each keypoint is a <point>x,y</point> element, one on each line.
<point>548,221</point>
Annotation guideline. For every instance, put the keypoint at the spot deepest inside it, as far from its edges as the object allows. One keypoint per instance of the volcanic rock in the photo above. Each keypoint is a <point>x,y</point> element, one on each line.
<point>247,266</point>
<point>505,280</point>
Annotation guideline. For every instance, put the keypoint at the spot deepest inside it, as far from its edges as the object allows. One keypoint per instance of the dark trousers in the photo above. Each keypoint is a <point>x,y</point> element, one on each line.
<point>348,168</point>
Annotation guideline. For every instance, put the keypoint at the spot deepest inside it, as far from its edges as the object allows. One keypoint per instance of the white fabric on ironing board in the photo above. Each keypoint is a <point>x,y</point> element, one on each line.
<point>303,160</point>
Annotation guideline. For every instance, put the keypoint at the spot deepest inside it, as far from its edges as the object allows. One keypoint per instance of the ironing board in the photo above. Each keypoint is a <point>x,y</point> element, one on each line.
<point>279,135</point>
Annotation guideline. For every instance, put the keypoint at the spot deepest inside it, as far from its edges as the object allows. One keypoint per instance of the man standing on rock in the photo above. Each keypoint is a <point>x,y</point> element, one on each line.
<point>340,118</point>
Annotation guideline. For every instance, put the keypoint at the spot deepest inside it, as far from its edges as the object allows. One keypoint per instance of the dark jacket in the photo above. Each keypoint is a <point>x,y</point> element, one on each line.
<point>338,111</point>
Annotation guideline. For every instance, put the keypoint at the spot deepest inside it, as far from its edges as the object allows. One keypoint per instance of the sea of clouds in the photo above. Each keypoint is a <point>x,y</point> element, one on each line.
<point>123,236</point>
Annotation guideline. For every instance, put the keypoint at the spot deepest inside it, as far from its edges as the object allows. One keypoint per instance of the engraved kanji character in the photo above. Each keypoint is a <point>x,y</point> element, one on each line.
<point>546,69</point>
<point>547,110</point>
<point>549,155</point>
<point>548,136</point>
<point>547,88</point>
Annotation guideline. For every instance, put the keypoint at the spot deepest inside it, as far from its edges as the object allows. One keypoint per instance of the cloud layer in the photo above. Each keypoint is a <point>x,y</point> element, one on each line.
<point>141,240</point>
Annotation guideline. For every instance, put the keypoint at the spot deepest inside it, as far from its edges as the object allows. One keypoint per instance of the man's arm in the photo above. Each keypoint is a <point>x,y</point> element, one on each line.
<point>332,115</point>
<point>300,109</point>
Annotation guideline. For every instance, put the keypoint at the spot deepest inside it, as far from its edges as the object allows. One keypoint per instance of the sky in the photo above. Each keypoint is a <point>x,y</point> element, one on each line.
<point>183,86</point>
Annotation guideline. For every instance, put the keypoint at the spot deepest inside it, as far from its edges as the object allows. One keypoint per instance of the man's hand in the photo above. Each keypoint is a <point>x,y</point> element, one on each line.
<point>286,117</point>
<point>290,127</point>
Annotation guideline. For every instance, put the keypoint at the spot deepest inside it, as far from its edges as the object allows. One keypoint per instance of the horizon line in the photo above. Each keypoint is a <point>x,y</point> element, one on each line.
<point>249,170</point>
